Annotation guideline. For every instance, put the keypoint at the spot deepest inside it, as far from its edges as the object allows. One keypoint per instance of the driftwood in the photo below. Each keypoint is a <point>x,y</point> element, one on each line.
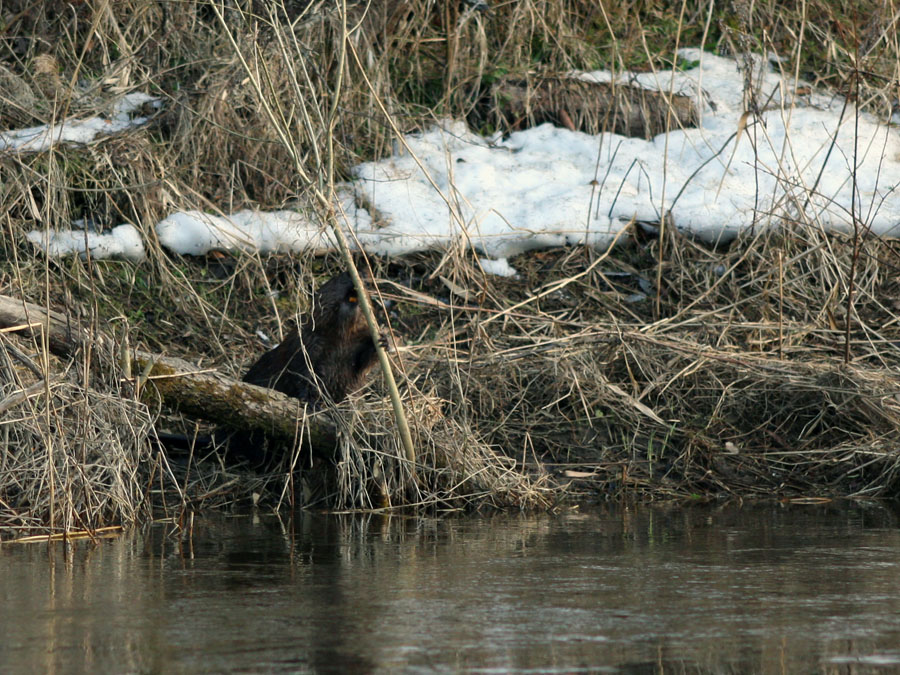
<point>180,385</point>
<point>591,107</point>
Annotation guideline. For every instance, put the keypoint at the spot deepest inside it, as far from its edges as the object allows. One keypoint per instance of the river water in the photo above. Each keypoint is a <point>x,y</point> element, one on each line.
<point>736,589</point>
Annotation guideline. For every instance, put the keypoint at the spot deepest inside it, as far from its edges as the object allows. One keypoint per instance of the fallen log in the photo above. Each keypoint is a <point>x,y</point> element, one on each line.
<point>229,403</point>
<point>591,107</point>
<point>180,385</point>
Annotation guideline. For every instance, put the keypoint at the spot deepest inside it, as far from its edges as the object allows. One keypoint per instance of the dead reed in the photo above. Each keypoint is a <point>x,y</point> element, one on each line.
<point>75,450</point>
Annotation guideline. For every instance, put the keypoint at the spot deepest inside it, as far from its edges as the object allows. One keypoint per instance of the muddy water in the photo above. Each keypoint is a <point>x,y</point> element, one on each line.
<point>638,590</point>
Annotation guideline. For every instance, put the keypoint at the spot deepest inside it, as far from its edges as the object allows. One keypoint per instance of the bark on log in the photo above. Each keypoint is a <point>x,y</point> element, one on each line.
<point>230,403</point>
<point>63,339</point>
<point>591,107</point>
<point>181,385</point>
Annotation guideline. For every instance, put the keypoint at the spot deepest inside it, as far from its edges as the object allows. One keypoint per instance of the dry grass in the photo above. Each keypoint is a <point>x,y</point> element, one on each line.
<point>76,454</point>
<point>742,388</point>
<point>763,368</point>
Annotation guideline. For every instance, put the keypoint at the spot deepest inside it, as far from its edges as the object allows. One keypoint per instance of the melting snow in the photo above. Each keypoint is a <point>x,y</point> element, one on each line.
<point>37,139</point>
<point>549,186</point>
<point>123,241</point>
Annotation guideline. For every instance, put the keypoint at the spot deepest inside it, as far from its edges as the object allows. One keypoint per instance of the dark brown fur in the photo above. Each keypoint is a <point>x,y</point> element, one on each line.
<point>329,356</point>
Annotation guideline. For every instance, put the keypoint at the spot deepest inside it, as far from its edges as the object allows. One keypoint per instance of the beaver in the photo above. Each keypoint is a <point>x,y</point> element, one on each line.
<point>328,357</point>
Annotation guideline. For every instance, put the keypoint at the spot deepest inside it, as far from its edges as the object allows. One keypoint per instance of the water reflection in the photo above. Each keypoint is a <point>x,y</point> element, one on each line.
<point>636,590</point>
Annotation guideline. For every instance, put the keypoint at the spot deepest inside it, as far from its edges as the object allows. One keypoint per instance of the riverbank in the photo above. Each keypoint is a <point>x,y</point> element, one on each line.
<point>659,368</point>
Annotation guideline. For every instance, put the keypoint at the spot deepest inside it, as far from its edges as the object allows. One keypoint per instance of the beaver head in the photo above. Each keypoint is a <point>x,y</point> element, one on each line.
<point>336,309</point>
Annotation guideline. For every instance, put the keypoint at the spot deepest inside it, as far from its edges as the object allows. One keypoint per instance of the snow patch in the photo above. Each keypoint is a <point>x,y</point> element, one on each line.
<point>500,268</point>
<point>197,233</point>
<point>549,186</point>
<point>123,241</point>
<point>80,132</point>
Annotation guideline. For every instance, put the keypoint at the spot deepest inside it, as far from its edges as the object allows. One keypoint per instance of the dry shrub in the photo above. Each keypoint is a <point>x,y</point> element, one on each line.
<point>73,456</point>
<point>454,467</point>
<point>742,387</point>
<point>746,423</point>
